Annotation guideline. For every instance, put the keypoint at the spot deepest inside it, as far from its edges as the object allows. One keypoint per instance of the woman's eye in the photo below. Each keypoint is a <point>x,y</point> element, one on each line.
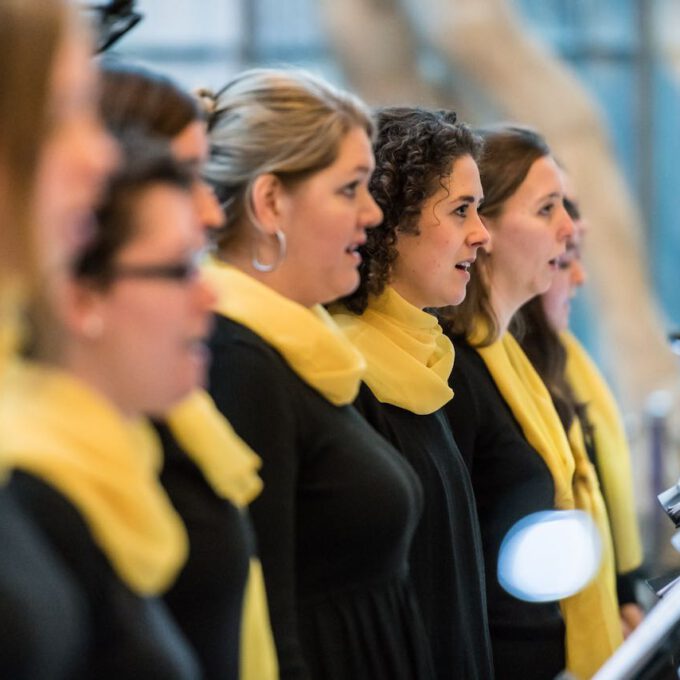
<point>546,209</point>
<point>350,190</point>
<point>461,210</point>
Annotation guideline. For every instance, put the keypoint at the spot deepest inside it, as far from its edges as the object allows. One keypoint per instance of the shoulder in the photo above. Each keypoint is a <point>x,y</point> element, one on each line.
<point>239,350</point>
<point>62,524</point>
<point>469,378</point>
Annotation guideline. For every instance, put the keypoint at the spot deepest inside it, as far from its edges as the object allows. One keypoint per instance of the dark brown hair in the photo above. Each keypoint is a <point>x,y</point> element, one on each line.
<point>146,164</point>
<point>415,150</point>
<point>133,97</point>
<point>509,152</point>
<point>544,349</point>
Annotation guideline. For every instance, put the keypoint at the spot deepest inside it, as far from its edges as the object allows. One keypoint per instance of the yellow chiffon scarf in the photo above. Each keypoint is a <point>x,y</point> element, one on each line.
<point>230,467</point>
<point>56,428</point>
<point>611,448</point>
<point>308,339</point>
<point>593,627</point>
<point>409,359</point>
<point>228,464</point>
<point>11,326</point>
<point>11,334</point>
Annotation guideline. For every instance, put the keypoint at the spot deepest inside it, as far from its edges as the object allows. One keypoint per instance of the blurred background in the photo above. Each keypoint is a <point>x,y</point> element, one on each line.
<point>601,78</point>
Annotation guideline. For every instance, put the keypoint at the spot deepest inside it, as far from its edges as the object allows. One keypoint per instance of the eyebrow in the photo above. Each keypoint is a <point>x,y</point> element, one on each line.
<point>467,198</point>
<point>552,194</point>
<point>572,208</point>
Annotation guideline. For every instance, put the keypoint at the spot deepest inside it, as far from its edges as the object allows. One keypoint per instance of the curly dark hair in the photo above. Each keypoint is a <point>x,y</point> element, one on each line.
<point>415,150</point>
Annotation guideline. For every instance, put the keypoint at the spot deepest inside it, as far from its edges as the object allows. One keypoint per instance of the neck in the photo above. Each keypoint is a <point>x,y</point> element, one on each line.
<point>278,280</point>
<point>87,368</point>
<point>407,294</point>
<point>504,305</point>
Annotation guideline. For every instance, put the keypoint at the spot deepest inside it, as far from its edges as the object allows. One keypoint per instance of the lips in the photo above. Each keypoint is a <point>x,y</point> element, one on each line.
<point>465,265</point>
<point>353,247</point>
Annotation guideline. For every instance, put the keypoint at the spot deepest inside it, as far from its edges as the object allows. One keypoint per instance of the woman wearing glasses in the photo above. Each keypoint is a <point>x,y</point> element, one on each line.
<point>290,159</point>
<point>207,599</point>
<point>131,325</point>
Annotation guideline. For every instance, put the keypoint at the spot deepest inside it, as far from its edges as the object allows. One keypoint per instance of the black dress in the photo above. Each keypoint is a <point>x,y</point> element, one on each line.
<point>130,636</point>
<point>207,598</point>
<point>42,612</point>
<point>446,556</point>
<point>334,522</point>
<point>510,481</point>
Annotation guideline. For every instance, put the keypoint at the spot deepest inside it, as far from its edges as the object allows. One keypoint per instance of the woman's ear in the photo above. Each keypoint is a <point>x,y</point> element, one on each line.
<point>82,310</point>
<point>267,202</point>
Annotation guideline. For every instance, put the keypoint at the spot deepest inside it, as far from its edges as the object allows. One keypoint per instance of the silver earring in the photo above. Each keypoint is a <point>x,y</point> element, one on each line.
<point>263,267</point>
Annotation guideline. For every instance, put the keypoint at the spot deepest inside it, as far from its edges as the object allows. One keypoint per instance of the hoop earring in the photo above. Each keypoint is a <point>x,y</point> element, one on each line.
<point>263,267</point>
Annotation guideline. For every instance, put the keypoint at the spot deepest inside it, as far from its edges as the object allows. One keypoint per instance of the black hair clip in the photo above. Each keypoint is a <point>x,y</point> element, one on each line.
<point>112,20</point>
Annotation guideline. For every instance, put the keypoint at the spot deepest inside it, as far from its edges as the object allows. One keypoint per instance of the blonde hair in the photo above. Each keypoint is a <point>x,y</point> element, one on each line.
<point>31,32</point>
<point>285,122</point>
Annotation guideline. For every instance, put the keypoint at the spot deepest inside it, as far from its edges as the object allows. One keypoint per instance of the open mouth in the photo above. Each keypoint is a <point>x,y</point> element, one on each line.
<point>353,249</point>
<point>465,265</point>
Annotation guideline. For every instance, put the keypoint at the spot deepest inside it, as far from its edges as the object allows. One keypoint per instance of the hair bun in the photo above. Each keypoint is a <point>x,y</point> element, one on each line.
<point>207,99</point>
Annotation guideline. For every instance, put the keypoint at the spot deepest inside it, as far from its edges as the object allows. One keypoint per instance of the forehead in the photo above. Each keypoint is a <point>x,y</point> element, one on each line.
<point>462,180</point>
<point>465,175</point>
<point>191,143</point>
<point>165,219</point>
<point>544,177</point>
<point>354,151</point>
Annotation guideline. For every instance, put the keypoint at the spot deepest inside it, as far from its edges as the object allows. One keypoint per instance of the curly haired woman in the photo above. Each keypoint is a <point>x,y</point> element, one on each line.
<point>427,184</point>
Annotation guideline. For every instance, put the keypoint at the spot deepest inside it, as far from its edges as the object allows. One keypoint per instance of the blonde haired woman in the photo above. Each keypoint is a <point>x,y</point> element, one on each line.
<point>290,160</point>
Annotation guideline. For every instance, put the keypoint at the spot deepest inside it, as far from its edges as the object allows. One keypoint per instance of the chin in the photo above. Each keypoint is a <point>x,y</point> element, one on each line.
<point>457,298</point>
<point>346,287</point>
<point>447,298</point>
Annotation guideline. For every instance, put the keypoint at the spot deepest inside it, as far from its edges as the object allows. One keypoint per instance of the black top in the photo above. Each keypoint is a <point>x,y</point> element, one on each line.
<point>42,631</point>
<point>207,598</point>
<point>334,522</point>
<point>130,636</point>
<point>446,556</point>
<point>510,481</point>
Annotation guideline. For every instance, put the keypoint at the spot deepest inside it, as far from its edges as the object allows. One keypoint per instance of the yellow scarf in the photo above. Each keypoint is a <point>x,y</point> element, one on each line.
<point>613,454</point>
<point>56,428</point>
<point>11,324</point>
<point>11,334</point>
<point>228,464</point>
<point>409,359</point>
<point>591,616</point>
<point>308,339</point>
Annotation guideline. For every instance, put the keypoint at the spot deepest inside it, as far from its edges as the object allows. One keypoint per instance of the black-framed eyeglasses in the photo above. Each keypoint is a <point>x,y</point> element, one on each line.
<point>112,20</point>
<point>181,272</point>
